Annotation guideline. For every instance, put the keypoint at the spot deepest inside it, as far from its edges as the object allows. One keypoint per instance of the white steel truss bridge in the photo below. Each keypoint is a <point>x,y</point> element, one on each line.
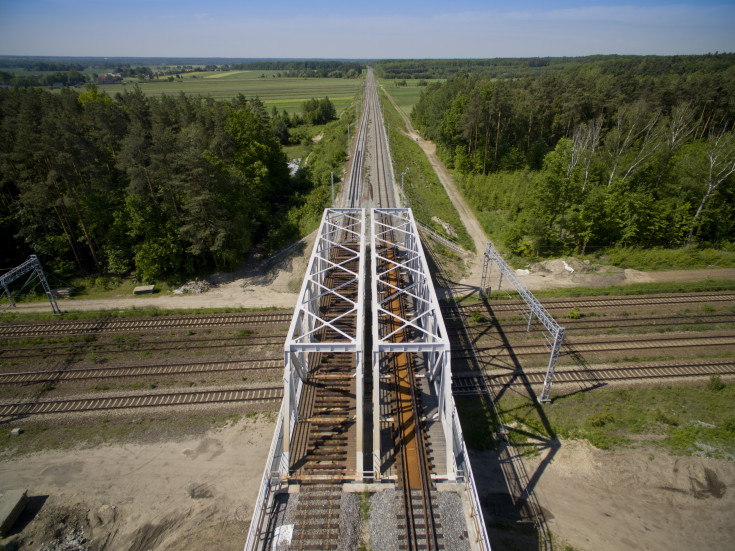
<point>329,320</point>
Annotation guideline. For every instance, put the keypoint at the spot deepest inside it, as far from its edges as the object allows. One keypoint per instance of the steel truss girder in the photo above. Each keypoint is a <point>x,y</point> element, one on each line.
<point>396,230</point>
<point>536,309</point>
<point>341,231</point>
<point>30,265</point>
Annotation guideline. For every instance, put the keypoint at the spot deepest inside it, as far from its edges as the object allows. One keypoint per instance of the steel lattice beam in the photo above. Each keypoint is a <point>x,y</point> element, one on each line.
<point>395,231</point>
<point>30,265</point>
<point>341,232</point>
<point>537,310</point>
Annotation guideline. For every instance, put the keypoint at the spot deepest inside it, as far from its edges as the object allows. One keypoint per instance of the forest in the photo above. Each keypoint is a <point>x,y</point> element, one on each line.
<point>607,152</point>
<point>164,188</point>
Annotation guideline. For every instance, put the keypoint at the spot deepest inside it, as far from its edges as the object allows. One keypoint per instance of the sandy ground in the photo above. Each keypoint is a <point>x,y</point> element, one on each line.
<point>195,494</point>
<point>623,499</point>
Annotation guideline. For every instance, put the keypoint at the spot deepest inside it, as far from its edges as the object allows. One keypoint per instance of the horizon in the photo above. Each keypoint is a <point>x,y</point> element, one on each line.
<point>326,29</point>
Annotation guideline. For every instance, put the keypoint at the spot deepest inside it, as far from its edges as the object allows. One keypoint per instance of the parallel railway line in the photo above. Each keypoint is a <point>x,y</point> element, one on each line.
<point>76,348</point>
<point>120,372</point>
<point>629,343</point>
<point>470,385</point>
<point>263,394</point>
<point>653,323</point>
<point>609,301</point>
<point>137,324</point>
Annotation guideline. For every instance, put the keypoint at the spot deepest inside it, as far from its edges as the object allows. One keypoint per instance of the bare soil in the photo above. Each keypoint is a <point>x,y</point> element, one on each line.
<point>195,494</point>
<point>622,499</point>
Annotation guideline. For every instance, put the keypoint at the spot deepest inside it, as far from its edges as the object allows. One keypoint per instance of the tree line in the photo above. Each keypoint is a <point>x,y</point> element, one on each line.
<point>305,68</point>
<point>633,65</point>
<point>163,187</point>
<point>588,157</point>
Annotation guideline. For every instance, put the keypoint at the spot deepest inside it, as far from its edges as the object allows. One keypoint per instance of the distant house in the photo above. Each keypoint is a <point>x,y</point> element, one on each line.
<point>110,78</point>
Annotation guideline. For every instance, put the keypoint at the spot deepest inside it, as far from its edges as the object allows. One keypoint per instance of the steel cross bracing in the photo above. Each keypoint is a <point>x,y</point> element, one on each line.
<point>536,310</point>
<point>30,265</point>
<point>340,243</point>
<point>395,230</point>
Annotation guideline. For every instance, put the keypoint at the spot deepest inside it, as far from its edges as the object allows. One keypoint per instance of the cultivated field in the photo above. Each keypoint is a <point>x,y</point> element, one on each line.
<point>281,92</point>
<point>406,96</point>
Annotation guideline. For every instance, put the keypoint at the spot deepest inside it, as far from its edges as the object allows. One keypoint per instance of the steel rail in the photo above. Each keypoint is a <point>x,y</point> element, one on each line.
<point>408,417</point>
<point>131,401</point>
<point>76,348</point>
<point>136,324</point>
<point>474,384</point>
<point>118,372</point>
<point>611,301</point>
<point>588,324</point>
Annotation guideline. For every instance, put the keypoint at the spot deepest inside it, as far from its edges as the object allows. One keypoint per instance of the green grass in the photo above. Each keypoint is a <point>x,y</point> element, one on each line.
<point>427,197</point>
<point>148,311</point>
<point>682,420</point>
<point>478,424</point>
<point>40,436</point>
<point>391,116</point>
<point>406,96</point>
<point>283,93</point>
<point>631,289</point>
<point>666,259</point>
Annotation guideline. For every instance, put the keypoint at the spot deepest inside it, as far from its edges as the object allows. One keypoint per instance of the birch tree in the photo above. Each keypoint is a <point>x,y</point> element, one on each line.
<point>720,156</point>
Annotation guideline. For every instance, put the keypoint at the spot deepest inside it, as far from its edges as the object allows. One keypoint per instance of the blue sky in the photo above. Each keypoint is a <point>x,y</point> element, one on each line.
<point>375,29</point>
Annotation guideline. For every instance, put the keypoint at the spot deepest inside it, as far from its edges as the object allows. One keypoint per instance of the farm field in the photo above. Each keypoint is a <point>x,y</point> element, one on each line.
<point>281,92</point>
<point>406,96</point>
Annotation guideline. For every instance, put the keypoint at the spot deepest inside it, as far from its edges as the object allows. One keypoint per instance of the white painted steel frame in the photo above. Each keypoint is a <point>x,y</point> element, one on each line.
<point>30,265</point>
<point>396,229</point>
<point>339,229</point>
<point>555,330</point>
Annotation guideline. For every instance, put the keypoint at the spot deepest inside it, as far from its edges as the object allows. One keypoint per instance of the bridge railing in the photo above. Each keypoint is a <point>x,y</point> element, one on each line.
<point>260,510</point>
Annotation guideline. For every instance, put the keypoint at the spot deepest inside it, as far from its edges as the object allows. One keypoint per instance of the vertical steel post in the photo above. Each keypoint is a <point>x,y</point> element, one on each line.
<point>544,397</point>
<point>45,285</point>
<point>10,297</point>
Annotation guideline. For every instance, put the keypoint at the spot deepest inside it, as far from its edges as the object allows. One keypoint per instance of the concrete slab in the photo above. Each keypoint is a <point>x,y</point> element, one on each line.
<point>144,289</point>
<point>12,503</point>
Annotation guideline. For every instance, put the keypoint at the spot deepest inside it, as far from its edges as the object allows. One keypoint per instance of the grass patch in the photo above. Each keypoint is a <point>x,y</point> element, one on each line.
<point>41,437</point>
<point>625,290</point>
<point>683,420</point>
<point>666,259</point>
<point>281,93</point>
<point>406,96</point>
<point>426,195</point>
<point>391,116</point>
<point>478,423</point>
<point>150,311</point>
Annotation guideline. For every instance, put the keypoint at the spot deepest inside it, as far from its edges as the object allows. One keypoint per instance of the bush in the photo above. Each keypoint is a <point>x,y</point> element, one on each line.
<point>715,383</point>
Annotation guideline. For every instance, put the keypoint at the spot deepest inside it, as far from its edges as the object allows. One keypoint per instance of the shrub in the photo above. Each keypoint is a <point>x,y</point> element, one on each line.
<point>715,383</point>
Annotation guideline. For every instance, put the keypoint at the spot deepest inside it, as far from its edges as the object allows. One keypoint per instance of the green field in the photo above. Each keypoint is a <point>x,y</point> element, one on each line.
<point>405,96</point>
<point>281,92</point>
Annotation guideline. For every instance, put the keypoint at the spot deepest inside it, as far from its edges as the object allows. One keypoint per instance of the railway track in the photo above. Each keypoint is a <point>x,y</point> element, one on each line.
<point>608,345</point>
<point>327,411</point>
<point>417,525</point>
<point>619,323</point>
<point>115,325</point>
<point>270,394</point>
<point>471,385</point>
<point>76,348</point>
<point>120,372</point>
<point>607,302</point>
<point>383,173</point>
